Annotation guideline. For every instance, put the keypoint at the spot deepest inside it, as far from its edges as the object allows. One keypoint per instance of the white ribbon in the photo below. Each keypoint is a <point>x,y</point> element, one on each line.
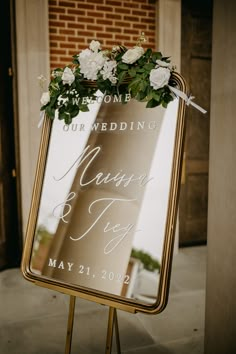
<point>41,118</point>
<point>187,99</point>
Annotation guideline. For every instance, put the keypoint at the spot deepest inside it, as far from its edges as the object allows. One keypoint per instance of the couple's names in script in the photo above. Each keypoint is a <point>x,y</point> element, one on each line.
<point>120,179</point>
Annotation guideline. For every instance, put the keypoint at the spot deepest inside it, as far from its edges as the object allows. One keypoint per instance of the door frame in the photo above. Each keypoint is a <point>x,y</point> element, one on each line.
<point>16,121</point>
<point>32,59</point>
<point>12,222</point>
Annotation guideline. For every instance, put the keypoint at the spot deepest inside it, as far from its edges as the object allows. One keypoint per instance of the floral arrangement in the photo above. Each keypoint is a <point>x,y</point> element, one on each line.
<point>143,75</point>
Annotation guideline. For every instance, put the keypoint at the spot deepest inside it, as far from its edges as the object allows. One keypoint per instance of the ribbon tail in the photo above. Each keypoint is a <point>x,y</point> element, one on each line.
<point>187,99</point>
<point>41,119</point>
<point>198,107</point>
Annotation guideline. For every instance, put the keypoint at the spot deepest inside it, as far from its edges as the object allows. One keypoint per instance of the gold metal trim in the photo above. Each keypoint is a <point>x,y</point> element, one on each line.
<point>111,325</point>
<point>165,272</point>
<point>70,325</point>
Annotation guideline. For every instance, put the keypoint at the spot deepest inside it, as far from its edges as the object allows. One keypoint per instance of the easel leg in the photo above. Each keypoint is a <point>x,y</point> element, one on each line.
<point>117,333</point>
<point>112,320</point>
<point>70,325</point>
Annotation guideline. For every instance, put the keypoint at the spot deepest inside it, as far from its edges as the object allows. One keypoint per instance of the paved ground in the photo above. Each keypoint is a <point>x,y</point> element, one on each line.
<point>33,320</point>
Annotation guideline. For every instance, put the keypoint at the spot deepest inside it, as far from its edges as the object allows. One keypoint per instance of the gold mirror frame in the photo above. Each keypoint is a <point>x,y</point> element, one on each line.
<point>91,294</point>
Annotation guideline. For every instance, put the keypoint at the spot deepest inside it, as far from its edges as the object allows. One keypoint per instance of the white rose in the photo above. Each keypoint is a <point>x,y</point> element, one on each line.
<point>68,77</point>
<point>45,98</point>
<point>91,63</point>
<point>99,60</point>
<point>109,70</point>
<point>159,77</point>
<point>91,73</point>
<point>132,55</point>
<point>85,54</point>
<point>95,46</point>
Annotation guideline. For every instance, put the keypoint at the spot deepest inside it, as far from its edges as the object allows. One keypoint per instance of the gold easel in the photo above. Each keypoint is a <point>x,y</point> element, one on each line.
<point>112,322</point>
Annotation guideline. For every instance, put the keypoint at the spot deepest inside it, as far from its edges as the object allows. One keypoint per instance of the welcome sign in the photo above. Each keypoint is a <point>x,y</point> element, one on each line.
<point>104,204</point>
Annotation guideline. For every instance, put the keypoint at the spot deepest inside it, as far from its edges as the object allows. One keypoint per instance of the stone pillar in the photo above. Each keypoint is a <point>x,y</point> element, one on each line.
<point>169,43</point>
<point>220,335</point>
<point>32,43</point>
<point>169,29</point>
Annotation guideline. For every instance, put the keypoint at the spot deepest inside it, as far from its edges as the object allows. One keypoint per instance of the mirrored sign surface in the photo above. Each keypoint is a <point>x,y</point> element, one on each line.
<point>102,220</point>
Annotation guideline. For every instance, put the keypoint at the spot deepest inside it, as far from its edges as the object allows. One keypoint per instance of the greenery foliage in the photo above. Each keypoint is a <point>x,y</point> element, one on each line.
<point>148,262</point>
<point>128,78</point>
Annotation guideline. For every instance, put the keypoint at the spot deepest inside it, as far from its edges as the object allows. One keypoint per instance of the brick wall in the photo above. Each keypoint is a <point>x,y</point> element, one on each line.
<point>74,23</point>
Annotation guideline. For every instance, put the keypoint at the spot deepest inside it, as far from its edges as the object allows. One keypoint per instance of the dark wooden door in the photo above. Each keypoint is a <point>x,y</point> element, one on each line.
<point>10,244</point>
<point>196,68</point>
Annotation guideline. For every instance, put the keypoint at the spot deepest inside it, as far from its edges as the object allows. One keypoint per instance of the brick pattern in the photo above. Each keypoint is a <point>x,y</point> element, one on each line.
<point>74,23</point>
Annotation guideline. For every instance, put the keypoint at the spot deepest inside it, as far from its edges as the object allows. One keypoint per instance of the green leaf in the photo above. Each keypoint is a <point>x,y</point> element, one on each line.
<point>121,76</point>
<point>152,103</point>
<point>134,86</point>
<point>84,108</point>
<point>75,112</point>
<point>120,55</point>
<point>142,60</point>
<point>143,85</point>
<point>135,81</point>
<point>53,100</point>
<point>61,115</point>
<point>123,66</point>
<point>156,56</point>
<point>141,96</point>
<point>148,53</point>
<point>68,119</point>
<point>50,111</point>
<point>164,104</point>
<point>132,72</point>
<point>141,70</point>
<point>57,79</point>
<point>148,67</point>
<point>155,95</point>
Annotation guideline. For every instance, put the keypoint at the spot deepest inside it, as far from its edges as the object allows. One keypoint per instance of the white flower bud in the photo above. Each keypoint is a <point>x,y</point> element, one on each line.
<point>68,77</point>
<point>95,46</point>
<point>45,98</point>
